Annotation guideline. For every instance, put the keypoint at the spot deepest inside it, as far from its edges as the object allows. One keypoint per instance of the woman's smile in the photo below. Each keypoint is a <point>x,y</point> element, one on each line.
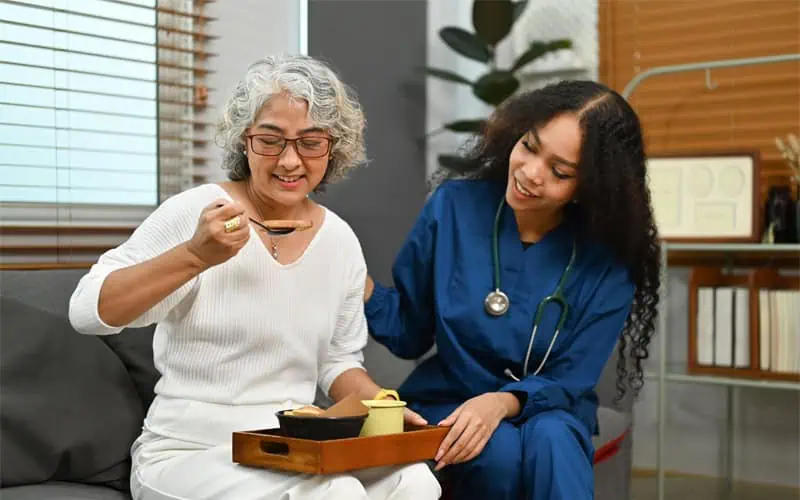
<point>521,192</point>
<point>289,181</point>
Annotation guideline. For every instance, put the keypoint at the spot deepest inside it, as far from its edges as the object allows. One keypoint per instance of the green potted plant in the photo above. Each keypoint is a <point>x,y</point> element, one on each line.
<point>492,21</point>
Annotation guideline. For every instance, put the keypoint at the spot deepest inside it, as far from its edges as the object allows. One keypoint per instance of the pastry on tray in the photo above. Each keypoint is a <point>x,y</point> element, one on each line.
<point>305,411</point>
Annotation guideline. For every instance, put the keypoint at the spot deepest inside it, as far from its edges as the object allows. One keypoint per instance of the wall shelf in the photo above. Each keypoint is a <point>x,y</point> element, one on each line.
<point>733,254</point>
<point>547,73</point>
<point>680,375</point>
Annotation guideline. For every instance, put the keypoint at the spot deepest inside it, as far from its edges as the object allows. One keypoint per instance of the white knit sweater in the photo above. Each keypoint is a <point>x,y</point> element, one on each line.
<point>249,331</point>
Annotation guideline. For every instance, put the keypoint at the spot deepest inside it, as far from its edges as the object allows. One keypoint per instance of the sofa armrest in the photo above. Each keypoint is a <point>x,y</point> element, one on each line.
<point>614,425</point>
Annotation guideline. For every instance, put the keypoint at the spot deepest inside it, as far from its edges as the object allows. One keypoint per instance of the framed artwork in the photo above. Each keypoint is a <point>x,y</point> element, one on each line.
<point>706,197</point>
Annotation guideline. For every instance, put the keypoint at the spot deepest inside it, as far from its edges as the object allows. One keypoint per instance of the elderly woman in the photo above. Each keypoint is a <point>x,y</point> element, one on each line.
<point>247,324</point>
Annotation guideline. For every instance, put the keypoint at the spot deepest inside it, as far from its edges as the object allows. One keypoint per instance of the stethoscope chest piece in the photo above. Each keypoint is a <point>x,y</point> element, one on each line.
<point>496,303</point>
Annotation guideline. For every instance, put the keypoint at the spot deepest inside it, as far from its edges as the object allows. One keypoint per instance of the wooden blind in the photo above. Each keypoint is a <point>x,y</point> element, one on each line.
<point>183,37</point>
<point>745,108</point>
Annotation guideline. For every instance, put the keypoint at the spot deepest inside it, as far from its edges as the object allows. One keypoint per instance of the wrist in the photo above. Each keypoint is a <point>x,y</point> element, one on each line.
<point>192,260</point>
<point>510,404</point>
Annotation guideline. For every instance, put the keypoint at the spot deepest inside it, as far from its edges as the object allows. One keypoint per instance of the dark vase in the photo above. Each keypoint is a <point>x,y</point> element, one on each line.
<point>797,220</point>
<point>781,213</point>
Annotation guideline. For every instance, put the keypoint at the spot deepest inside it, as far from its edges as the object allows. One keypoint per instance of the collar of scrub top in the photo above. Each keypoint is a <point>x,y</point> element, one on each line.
<point>499,300</point>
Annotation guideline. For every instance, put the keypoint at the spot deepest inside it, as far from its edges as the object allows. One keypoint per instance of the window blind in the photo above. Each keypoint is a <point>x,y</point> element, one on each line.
<point>78,119</point>
<point>94,95</point>
<point>100,118</point>
<point>745,108</point>
<point>183,38</point>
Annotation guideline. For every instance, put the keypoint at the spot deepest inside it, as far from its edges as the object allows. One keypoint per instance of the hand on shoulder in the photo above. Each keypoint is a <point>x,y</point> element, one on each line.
<point>369,287</point>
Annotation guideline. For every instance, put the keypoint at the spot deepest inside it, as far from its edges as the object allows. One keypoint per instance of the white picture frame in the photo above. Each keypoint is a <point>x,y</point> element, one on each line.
<point>705,197</point>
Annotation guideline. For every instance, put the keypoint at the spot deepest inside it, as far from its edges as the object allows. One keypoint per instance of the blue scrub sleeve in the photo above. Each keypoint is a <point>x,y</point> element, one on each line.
<point>577,370</point>
<point>402,318</point>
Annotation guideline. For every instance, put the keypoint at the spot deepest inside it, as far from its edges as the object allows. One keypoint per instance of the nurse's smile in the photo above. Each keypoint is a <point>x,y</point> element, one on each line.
<point>520,190</point>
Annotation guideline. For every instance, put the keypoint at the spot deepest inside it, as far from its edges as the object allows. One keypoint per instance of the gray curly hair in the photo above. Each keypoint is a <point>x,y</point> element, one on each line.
<point>331,105</point>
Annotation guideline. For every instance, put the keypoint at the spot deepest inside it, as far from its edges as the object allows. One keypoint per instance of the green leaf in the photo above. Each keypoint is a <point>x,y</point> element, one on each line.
<point>495,87</point>
<point>465,43</point>
<point>538,49</point>
<point>472,126</point>
<point>456,163</point>
<point>447,75</point>
<point>492,19</point>
<point>519,8</point>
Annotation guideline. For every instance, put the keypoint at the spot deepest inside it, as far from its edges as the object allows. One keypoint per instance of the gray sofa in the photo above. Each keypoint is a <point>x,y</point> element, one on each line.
<point>71,405</point>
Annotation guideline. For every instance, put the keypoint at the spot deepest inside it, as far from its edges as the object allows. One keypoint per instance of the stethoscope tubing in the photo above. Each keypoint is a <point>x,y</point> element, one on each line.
<point>557,296</point>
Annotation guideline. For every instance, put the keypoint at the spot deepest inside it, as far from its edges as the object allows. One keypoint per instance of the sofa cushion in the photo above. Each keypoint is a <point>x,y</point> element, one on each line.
<point>62,491</point>
<point>134,347</point>
<point>51,289</point>
<point>70,410</point>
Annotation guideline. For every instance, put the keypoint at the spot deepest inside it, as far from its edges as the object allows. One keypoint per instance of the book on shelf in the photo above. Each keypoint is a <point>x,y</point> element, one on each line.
<point>744,324</point>
<point>723,326</point>
<point>778,330</point>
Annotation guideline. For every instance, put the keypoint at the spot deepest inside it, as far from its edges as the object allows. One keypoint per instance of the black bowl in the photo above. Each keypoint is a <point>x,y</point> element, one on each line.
<point>320,428</point>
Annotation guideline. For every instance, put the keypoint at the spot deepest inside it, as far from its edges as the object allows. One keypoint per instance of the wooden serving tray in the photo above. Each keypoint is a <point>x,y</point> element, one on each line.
<point>270,449</point>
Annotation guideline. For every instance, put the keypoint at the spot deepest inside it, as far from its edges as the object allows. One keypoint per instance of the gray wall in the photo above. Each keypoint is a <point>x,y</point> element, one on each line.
<point>377,47</point>
<point>243,39</point>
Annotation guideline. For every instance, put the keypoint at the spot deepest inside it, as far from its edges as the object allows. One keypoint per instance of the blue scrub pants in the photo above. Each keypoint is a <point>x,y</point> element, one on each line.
<point>549,457</point>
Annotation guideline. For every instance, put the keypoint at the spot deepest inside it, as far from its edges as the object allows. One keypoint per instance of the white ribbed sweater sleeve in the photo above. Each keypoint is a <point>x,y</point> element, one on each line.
<point>171,223</point>
<point>249,331</point>
<point>350,335</point>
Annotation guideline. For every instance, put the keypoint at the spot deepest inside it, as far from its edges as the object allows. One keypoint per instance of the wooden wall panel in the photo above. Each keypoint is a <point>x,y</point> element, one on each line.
<point>748,106</point>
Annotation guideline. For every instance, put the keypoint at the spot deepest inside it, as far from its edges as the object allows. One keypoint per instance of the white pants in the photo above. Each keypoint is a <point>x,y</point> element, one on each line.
<point>198,465</point>
<point>178,470</point>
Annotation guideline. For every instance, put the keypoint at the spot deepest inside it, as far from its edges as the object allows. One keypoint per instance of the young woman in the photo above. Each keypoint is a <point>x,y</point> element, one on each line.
<point>525,276</point>
<point>249,324</point>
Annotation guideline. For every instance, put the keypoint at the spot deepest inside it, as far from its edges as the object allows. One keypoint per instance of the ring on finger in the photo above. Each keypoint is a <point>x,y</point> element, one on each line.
<point>232,225</point>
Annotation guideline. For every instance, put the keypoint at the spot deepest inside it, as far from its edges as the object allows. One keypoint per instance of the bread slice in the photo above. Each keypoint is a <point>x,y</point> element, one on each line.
<point>306,411</point>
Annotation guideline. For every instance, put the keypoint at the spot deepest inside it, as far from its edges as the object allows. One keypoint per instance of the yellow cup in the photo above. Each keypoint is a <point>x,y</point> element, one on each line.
<point>385,417</point>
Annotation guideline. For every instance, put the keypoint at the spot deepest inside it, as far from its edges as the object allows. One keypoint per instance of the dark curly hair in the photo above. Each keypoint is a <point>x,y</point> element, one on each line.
<point>614,201</point>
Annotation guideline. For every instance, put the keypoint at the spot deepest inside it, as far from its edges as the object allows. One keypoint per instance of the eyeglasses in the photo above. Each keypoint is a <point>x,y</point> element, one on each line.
<point>273,145</point>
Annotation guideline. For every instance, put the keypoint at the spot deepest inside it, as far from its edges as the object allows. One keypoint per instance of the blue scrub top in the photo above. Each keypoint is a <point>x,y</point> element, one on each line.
<point>442,275</point>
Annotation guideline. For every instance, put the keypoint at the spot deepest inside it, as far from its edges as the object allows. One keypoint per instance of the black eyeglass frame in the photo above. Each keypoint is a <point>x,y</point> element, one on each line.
<point>286,141</point>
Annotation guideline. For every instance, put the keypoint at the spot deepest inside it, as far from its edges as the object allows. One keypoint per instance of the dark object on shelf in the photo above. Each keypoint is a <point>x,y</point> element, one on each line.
<point>797,219</point>
<point>780,215</point>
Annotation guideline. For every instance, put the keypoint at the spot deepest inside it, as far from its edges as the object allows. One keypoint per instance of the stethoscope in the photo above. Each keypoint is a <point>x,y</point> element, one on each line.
<point>497,302</point>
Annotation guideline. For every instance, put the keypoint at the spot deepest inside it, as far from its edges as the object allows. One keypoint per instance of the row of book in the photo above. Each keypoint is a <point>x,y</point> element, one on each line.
<point>724,327</point>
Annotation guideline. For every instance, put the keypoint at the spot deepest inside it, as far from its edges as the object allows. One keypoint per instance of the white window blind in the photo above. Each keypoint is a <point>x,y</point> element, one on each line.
<point>99,103</point>
<point>79,102</point>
